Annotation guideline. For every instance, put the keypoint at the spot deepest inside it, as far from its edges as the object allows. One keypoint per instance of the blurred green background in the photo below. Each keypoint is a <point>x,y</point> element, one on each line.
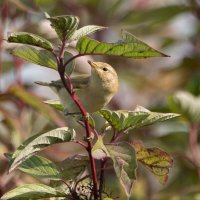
<point>172,26</point>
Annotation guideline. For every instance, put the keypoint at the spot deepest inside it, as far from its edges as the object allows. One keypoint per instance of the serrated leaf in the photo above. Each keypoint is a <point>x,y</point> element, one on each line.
<point>123,120</point>
<point>124,162</point>
<point>36,56</point>
<point>129,47</point>
<point>55,104</point>
<point>31,39</point>
<point>186,104</point>
<point>74,166</point>
<point>40,167</point>
<point>65,26</point>
<point>70,67</point>
<point>44,140</point>
<point>86,30</point>
<point>154,117</point>
<point>99,150</point>
<point>32,191</point>
<point>156,160</point>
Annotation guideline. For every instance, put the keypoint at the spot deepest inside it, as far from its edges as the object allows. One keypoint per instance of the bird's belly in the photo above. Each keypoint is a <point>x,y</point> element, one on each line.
<point>91,101</point>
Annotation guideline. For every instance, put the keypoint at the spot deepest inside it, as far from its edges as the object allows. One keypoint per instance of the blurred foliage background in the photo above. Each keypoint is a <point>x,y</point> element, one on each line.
<point>172,26</point>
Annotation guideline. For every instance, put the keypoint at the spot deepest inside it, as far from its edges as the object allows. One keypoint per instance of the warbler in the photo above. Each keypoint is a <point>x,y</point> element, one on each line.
<point>94,91</point>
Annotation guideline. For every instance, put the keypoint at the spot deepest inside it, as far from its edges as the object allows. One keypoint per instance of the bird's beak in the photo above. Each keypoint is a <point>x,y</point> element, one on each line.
<point>92,64</point>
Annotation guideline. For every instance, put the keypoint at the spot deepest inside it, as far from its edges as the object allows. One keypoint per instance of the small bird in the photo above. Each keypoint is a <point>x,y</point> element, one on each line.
<point>94,91</point>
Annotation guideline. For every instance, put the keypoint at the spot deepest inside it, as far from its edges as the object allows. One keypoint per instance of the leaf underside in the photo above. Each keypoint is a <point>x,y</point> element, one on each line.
<point>124,163</point>
<point>39,142</point>
<point>37,56</point>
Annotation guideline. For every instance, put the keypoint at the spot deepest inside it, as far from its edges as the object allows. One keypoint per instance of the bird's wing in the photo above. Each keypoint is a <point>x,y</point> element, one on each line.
<point>78,82</point>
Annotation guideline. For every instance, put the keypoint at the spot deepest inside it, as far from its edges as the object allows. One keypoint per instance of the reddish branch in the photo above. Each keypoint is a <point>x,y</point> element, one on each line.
<point>69,87</point>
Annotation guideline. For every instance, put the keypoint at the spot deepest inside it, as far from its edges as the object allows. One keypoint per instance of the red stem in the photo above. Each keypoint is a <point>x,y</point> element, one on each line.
<point>69,87</point>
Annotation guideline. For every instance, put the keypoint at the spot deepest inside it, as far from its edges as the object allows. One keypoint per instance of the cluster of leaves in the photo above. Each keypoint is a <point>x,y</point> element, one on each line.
<point>72,174</point>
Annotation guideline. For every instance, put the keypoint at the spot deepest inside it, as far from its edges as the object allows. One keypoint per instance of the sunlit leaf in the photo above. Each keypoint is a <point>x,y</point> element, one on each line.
<point>99,151</point>
<point>129,47</point>
<point>186,104</point>
<point>31,39</point>
<point>32,191</point>
<point>65,26</point>
<point>124,162</point>
<point>156,160</point>
<point>123,120</point>
<point>86,30</point>
<point>55,104</point>
<point>44,140</point>
<point>36,56</point>
<point>74,166</point>
<point>154,117</point>
<point>41,167</point>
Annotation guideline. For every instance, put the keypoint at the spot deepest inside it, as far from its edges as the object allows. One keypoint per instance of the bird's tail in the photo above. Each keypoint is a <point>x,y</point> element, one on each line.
<point>43,83</point>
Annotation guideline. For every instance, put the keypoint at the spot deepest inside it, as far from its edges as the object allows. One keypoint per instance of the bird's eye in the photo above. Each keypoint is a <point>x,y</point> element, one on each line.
<point>105,69</point>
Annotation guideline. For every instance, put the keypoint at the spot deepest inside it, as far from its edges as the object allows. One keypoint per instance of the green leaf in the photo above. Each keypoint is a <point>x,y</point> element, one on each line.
<point>55,104</point>
<point>186,104</point>
<point>65,26</point>
<point>99,150</point>
<point>70,67</point>
<point>32,191</point>
<point>44,140</point>
<point>40,167</point>
<point>31,39</point>
<point>124,162</point>
<point>86,30</point>
<point>74,166</point>
<point>129,47</point>
<point>154,117</point>
<point>123,120</point>
<point>156,160</point>
<point>36,56</point>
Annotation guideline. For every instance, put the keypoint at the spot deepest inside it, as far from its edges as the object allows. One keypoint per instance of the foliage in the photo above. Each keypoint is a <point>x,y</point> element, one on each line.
<point>122,154</point>
<point>144,82</point>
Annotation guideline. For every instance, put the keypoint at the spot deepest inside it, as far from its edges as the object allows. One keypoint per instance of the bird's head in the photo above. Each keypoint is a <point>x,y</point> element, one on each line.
<point>105,75</point>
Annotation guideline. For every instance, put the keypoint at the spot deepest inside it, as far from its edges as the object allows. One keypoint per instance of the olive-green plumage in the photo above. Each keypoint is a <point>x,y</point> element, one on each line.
<point>94,91</point>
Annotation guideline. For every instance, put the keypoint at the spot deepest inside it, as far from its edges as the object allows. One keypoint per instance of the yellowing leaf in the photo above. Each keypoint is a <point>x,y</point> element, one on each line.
<point>156,160</point>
